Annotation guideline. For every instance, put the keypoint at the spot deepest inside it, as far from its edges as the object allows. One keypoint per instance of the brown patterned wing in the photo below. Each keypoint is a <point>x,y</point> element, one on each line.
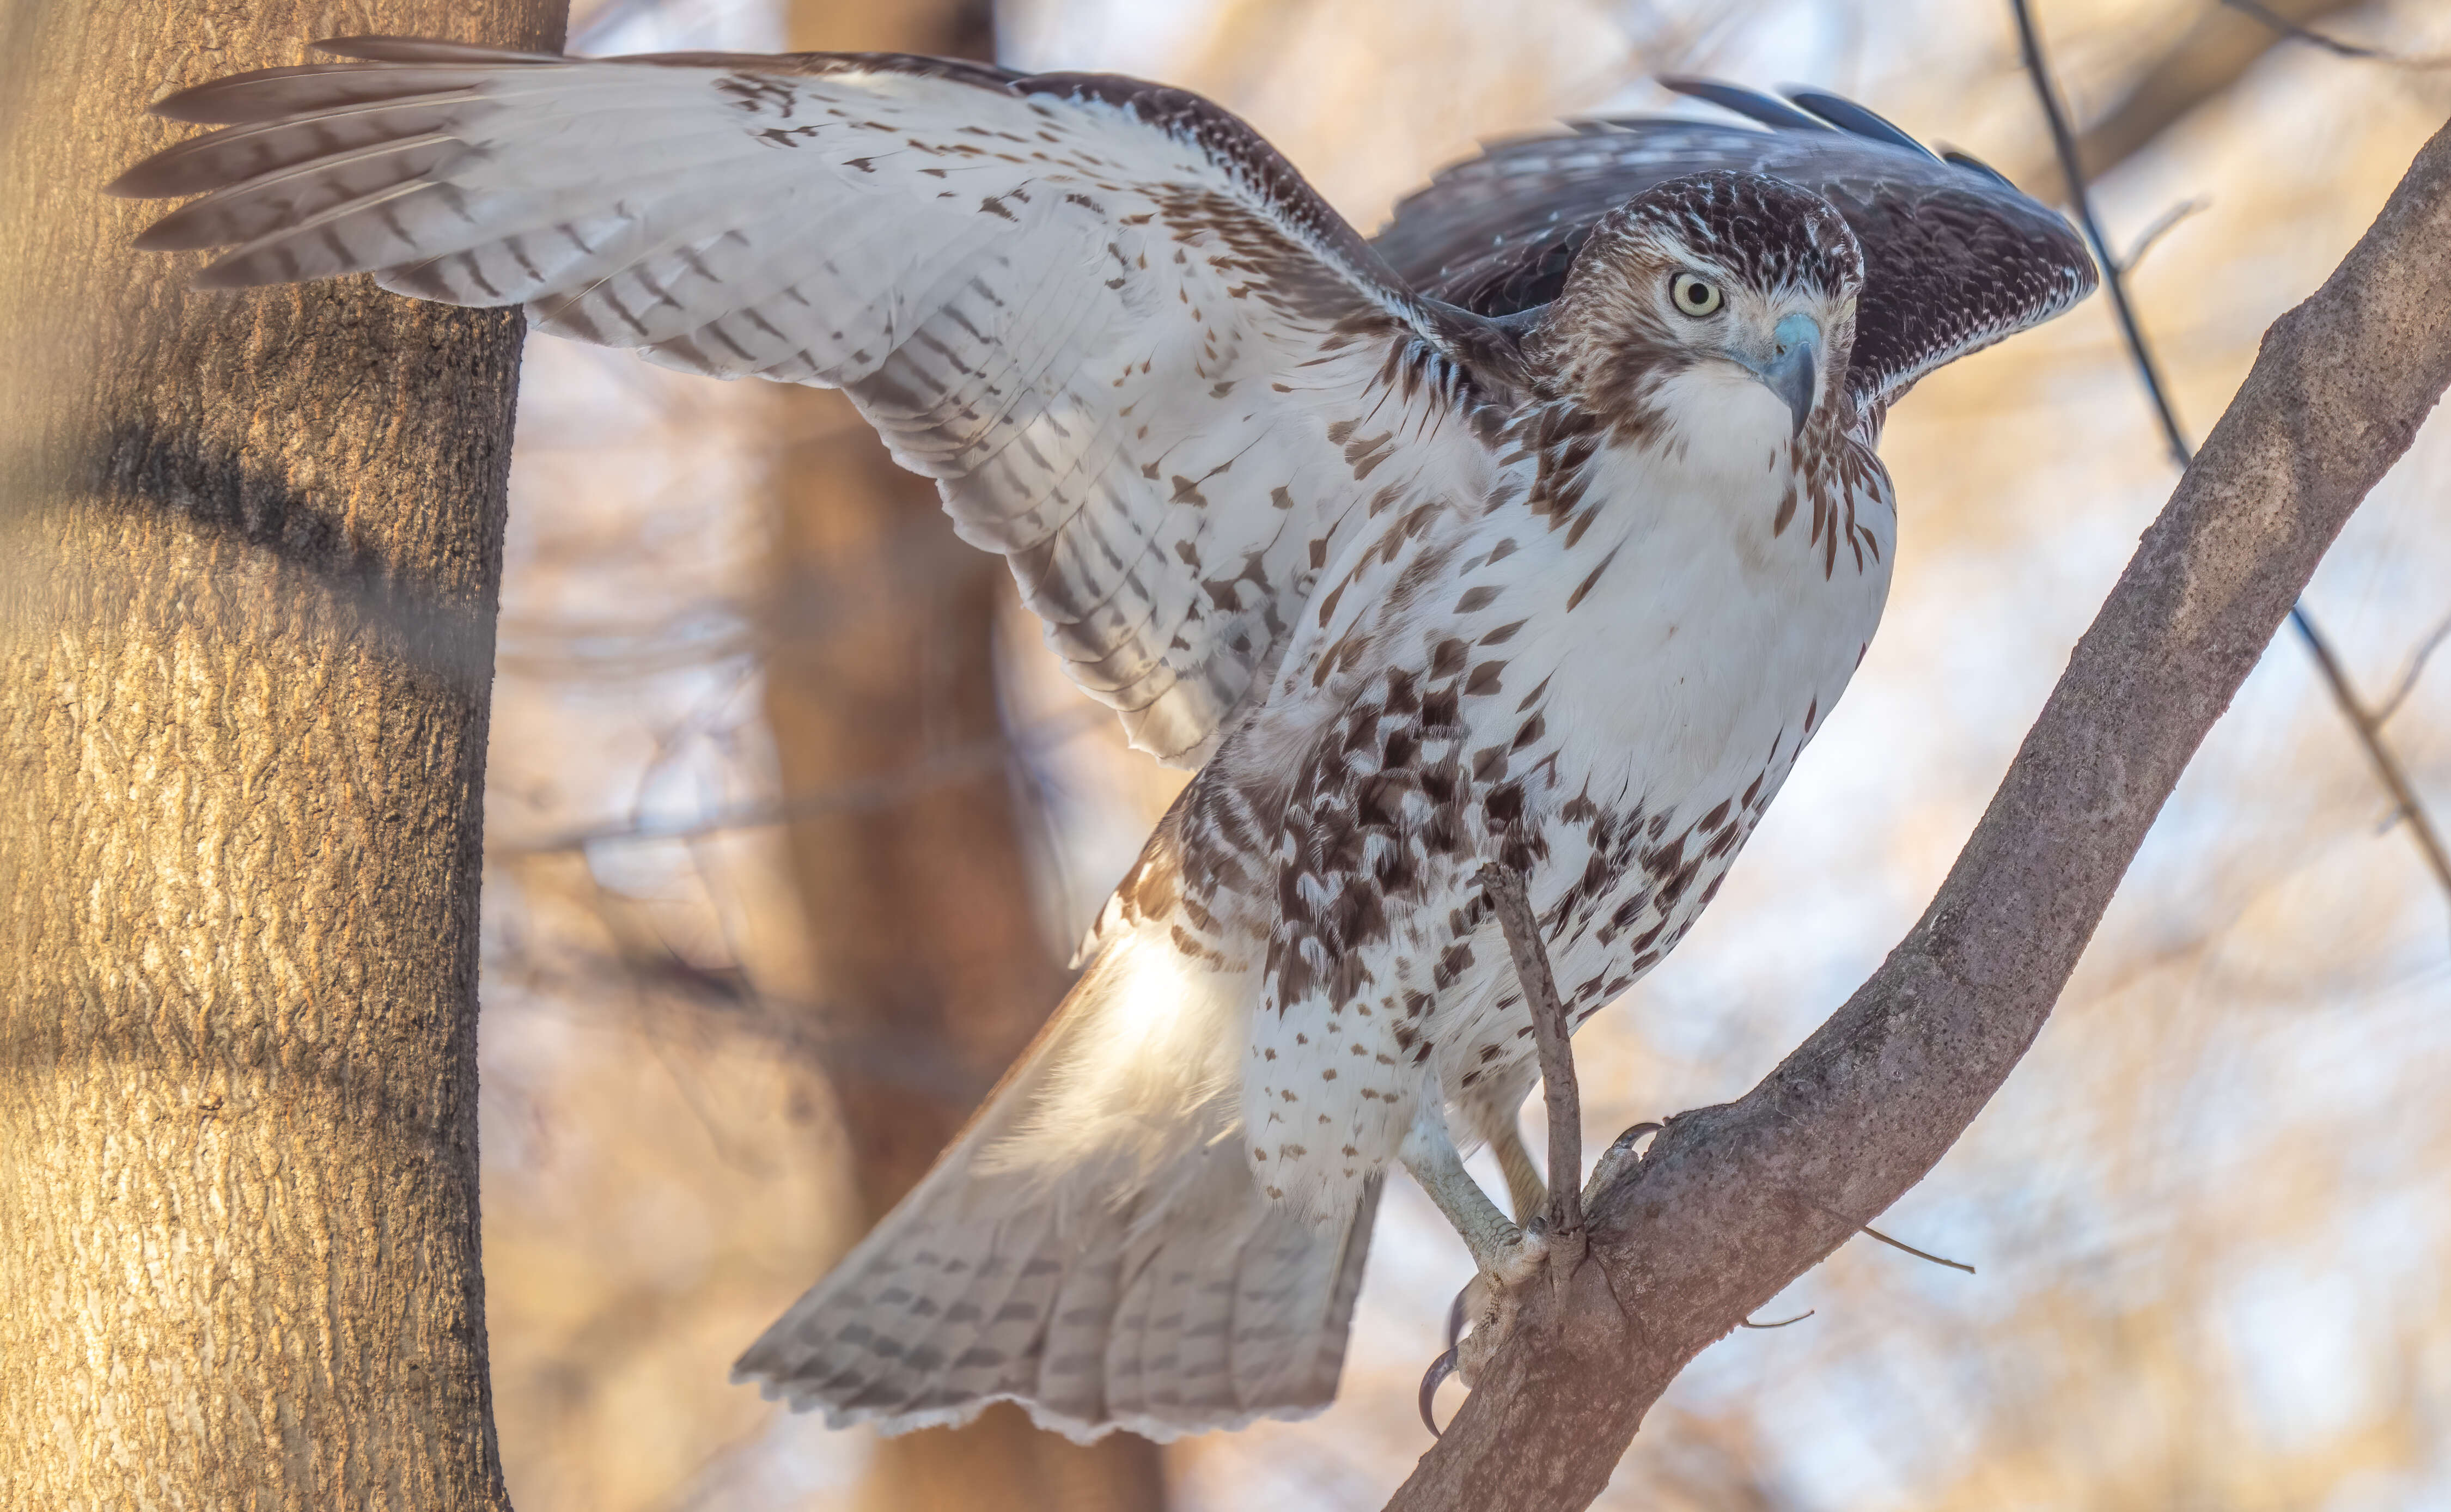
<point>1140,358</point>
<point>1956,257</point>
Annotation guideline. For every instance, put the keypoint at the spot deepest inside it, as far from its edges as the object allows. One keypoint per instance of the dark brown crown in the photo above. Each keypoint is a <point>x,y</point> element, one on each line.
<point>1764,232</point>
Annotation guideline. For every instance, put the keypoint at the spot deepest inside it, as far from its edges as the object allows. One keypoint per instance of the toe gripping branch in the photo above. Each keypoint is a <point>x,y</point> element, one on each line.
<point>1562,1219</point>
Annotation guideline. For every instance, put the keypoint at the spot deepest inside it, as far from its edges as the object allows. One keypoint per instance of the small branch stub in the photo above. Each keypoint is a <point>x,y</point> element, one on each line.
<point>1550,1036</point>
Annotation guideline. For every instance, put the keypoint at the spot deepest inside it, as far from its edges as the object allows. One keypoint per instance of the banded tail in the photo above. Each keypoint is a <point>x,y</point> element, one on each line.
<point>1092,1247</point>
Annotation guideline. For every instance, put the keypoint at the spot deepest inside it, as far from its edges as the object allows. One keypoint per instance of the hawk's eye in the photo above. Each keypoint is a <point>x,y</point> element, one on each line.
<point>1693,295</point>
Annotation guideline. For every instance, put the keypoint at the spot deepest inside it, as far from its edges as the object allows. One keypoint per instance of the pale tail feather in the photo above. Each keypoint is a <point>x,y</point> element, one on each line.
<point>1093,1245</point>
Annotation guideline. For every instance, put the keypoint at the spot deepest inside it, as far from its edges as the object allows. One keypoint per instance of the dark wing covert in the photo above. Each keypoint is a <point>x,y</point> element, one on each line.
<point>1956,257</point>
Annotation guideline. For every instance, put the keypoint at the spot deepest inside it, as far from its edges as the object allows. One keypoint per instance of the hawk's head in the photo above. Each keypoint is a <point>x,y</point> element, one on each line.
<point>1723,299</point>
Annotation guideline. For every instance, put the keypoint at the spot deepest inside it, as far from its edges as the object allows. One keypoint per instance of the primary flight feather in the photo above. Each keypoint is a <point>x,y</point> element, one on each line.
<point>1546,531</point>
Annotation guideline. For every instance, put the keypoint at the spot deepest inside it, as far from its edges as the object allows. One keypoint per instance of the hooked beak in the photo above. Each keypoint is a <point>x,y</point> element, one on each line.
<point>1793,368</point>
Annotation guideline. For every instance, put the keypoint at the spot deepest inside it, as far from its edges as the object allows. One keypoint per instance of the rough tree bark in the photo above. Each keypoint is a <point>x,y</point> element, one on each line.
<point>1732,1202</point>
<point>925,943</point>
<point>248,553</point>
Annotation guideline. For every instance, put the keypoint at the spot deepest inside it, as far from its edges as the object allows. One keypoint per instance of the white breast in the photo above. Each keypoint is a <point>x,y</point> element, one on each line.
<point>1679,690</point>
<point>1711,633</point>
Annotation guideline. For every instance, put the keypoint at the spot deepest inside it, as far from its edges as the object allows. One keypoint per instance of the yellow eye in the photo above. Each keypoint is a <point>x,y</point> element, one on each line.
<point>1694,296</point>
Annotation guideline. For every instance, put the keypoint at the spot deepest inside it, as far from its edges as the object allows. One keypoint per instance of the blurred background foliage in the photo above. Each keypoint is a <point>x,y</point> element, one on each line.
<point>2211,1215</point>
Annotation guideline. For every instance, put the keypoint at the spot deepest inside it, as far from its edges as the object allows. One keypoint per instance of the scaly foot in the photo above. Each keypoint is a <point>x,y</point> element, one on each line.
<point>1485,1312</point>
<point>1493,1300</point>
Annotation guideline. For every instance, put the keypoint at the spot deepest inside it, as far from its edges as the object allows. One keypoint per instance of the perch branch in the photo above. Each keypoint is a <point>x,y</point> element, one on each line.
<point>1728,1205</point>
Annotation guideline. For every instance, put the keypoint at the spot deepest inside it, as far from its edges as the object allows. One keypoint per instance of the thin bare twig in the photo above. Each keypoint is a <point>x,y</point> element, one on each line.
<point>2161,227</point>
<point>2424,653</point>
<point>1894,1244</point>
<point>2064,142</point>
<point>2366,726</point>
<point>2200,66</point>
<point>1550,1032</point>
<point>1919,1254</point>
<point>2334,46</point>
<point>2369,729</point>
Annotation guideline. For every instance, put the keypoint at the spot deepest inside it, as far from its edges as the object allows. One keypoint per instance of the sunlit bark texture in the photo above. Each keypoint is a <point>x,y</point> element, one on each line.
<point>927,946</point>
<point>248,553</point>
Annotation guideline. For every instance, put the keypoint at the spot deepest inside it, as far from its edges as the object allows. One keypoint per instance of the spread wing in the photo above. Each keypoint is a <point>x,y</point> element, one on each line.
<point>1143,360</point>
<point>1955,257</point>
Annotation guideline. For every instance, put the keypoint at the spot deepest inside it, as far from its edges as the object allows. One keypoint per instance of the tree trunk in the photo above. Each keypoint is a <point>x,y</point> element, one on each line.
<point>925,939</point>
<point>248,553</point>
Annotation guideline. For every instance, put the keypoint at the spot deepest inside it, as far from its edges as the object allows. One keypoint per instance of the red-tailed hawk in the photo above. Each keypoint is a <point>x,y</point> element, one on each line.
<point>1546,532</point>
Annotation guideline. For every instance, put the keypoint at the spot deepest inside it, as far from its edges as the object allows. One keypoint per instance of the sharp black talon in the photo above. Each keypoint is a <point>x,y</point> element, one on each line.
<point>1440,1369</point>
<point>1454,1321</point>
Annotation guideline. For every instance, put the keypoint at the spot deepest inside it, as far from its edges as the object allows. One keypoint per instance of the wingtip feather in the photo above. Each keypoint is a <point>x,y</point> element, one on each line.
<point>199,104</point>
<point>1751,104</point>
<point>228,273</point>
<point>1854,119</point>
<point>427,50</point>
<point>163,236</point>
<point>1969,160</point>
<point>268,94</point>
